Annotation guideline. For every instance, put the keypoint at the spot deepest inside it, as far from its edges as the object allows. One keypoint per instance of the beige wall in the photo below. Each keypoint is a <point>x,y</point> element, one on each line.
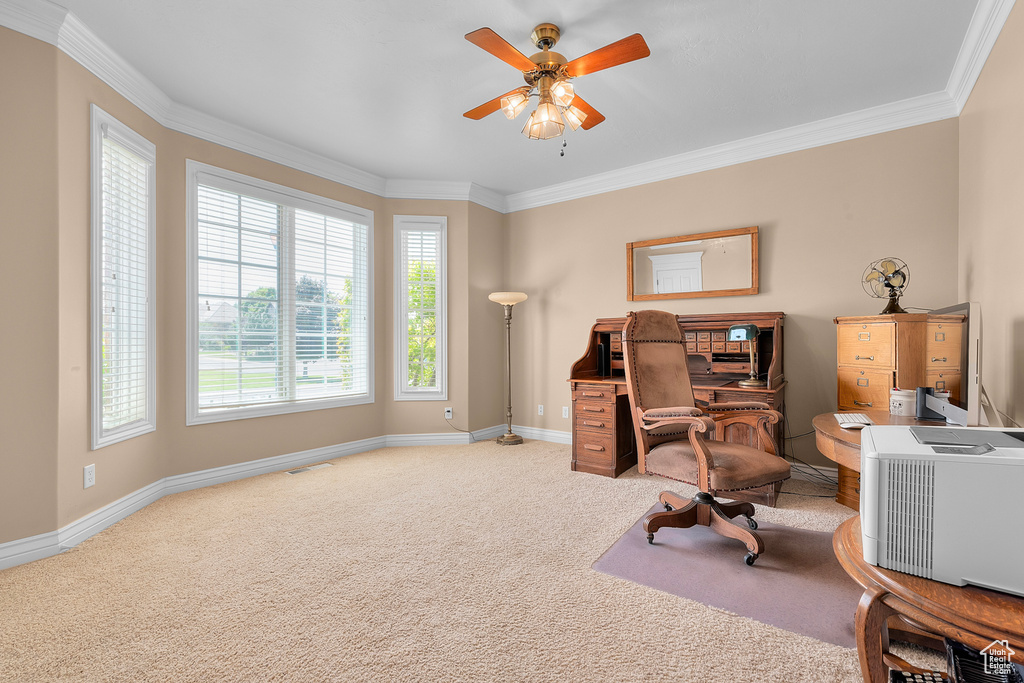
<point>991,210</point>
<point>824,214</point>
<point>29,269</point>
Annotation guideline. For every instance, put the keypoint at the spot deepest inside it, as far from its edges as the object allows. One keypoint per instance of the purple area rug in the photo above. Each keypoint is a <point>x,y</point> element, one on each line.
<point>796,584</point>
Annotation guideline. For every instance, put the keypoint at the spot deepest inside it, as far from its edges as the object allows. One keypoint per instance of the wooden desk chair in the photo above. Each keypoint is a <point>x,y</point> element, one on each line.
<point>670,433</point>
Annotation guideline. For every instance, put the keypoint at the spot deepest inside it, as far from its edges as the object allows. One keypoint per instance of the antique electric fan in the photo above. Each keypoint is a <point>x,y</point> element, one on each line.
<point>887,278</point>
<point>547,75</point>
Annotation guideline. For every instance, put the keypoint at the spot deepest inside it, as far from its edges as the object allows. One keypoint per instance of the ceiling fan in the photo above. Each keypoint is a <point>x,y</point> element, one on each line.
<point>547,75</point>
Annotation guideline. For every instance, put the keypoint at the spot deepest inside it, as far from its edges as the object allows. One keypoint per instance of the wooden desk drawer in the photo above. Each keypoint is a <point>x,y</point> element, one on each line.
<point>944,380</point>
<point>718,336</point>
<point>706,395</point>
<point>595,422</point>
<point>732,347</point>
<point>594,393</point>
<point>867,345</point>
<point>860,389</point>
<point>942,346</point>
<point>616,342</point>
<point>704,347</point>
<point>703,336</point>
<point>595,448</point>
<point>690,336</point>
<point>718,347</point>
<point>691,347</point>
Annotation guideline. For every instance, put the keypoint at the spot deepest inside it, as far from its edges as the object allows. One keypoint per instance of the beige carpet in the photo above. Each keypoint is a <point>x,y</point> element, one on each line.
<point>465,563</point>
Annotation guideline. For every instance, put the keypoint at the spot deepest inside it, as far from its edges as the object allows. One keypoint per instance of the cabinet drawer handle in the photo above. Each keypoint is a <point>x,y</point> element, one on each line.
<point>861,403</point>
<point>591,409</point>
<point>593,448</point>
<point>593,424</point>
<point>867,358</point>
<point>864,336</point>
<point>597,395</point>
<point>939,360</point>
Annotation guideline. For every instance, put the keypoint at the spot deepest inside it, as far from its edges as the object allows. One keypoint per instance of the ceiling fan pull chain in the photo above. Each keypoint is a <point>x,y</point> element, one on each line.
<point>561,152</point>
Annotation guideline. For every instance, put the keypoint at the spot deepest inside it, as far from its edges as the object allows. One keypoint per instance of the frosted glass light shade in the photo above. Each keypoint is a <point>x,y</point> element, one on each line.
<point>562,93</point>
<point>574,116</point>
<point>514,104</point>
<point>507,298</point>
<point>544,123</point>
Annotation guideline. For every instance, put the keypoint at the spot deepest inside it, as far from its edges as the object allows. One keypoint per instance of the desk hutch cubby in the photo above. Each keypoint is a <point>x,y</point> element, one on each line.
<point>602,430</point>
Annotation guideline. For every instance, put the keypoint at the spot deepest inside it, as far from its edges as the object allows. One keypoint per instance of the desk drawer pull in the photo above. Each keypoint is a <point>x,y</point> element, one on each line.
<point>599,394</point>
<point>862,403</point>
<point>867,358</point>
<point>590,447</point>
<point>938,360</point>
<point>592,409</point>
<point>593,424</point>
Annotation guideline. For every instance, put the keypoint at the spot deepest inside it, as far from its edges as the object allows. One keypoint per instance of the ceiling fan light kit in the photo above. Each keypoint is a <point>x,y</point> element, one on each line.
<point>547,75</point>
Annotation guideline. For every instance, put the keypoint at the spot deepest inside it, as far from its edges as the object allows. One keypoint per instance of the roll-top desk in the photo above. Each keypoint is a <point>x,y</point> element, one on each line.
<point>602,430</point>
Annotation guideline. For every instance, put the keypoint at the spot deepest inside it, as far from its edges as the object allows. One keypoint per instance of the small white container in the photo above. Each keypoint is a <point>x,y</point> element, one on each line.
<point>903,402</point>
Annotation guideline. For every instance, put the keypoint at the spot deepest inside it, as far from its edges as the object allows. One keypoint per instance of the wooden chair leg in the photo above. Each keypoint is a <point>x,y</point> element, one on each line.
<point>736,509</point>
<point>673,499</point>
<point>680,518</point>
<point>721,524</point>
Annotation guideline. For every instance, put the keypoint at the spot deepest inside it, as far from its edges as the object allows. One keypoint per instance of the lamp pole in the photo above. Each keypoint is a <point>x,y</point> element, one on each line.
<point>507,301</point>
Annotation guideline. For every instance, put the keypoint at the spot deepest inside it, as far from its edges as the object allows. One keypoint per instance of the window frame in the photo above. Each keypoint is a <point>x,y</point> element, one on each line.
<point>198,173</point>
<point>437,224</point>
<point>102,125</point>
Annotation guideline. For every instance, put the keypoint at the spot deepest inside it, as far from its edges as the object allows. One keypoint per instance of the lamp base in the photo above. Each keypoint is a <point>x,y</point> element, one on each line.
<point>752,383</point>
<point>509,439</point>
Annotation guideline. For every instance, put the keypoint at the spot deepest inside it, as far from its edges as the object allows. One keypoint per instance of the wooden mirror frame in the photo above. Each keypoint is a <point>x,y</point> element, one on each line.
<point>631,246</point>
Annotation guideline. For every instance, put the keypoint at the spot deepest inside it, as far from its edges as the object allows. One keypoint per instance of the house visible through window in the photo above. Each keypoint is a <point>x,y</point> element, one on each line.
<point>420,308</point>
<point>123,191</point>
<point>281,294</point>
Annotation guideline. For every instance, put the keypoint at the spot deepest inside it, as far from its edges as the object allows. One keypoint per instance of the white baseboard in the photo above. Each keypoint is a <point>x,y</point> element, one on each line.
<point>50,543</point>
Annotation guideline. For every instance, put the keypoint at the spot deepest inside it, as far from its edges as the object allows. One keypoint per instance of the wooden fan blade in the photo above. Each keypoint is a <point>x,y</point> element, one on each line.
<point>594,117</point>
<point>489,40</point>
<point>488,107</point>
<point>621,51</point>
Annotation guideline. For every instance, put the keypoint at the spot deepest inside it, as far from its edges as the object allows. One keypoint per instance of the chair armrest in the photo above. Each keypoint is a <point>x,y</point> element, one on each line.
<point>669,413</point>
<point>754,414</point>
<point>696,423</point>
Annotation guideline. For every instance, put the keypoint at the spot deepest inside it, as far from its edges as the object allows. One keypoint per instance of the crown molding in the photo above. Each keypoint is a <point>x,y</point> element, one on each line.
<point>39,19</point>
<point>984,29</point>
<point>881,119</point>
<point>53,24</point>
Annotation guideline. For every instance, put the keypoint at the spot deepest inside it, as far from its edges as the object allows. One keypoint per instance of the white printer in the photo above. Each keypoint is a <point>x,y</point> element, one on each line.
<point>945,503</point>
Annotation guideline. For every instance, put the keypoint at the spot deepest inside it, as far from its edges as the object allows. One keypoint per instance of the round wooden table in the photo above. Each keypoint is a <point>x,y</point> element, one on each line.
<point>842,446</point>
<point>967,614</point>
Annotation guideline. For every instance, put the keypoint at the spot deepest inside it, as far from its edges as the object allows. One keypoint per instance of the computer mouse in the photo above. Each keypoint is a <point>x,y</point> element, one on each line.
<point>852,425</point>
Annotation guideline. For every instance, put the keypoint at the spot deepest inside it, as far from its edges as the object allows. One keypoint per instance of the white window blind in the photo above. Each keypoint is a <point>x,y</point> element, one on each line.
<point>123,193</point>
<point>282,299</point>
<point>420,307</point>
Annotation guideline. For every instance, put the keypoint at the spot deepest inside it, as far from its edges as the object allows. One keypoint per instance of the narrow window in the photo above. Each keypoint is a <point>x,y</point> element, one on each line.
<point>123,199</point>
<point>420,308</point>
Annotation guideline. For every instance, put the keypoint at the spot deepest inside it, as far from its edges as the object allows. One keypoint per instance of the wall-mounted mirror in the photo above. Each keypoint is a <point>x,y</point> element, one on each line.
<point>722,263</point>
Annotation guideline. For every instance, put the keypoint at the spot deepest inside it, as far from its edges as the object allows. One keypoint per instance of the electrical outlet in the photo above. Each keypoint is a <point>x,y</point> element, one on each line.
<point>447,413</point>
<point>565,411</point>
<point>540,409</point>
<point>89,476</point>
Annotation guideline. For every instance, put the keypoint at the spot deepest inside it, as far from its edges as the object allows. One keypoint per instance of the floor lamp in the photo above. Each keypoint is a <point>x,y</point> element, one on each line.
<point>508,300</point>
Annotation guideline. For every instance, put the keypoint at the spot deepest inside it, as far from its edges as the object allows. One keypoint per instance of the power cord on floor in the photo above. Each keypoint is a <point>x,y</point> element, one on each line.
<point>464,431</point>
<point>816,474</point>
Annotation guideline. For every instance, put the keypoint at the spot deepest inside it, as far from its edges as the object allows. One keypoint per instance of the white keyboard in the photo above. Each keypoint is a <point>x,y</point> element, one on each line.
<point>859,418</point>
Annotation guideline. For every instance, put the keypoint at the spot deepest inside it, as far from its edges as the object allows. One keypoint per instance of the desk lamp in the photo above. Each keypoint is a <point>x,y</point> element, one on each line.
<point>747,333</point>
<point>508,300</point>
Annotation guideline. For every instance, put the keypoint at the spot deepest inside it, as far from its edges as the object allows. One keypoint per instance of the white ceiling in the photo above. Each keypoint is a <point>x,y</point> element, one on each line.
<point>381,86</point>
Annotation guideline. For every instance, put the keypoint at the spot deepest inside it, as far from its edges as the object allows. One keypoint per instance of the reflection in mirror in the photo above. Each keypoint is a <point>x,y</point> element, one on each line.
<point>722,263</point>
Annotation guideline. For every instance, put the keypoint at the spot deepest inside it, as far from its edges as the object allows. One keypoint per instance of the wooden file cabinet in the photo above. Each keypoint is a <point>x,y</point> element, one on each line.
<point>881,352</point>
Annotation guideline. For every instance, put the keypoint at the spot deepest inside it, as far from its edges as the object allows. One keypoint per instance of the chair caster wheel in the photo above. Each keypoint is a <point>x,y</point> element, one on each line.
<point>668,508</point>
<point>650,538</point>
<point>752,523</point>
<point>749,559</point>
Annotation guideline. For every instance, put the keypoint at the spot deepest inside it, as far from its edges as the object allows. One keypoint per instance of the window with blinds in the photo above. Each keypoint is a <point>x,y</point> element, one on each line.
<point>420,308</point>
<point>281,297</point>
<point>122,281</point>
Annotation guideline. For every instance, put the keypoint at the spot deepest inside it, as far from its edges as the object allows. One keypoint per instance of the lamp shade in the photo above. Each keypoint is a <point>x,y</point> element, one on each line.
<point>574,117</point>
<point>513,105</point>
<point>544,123</point>
<point>743,333</point>
<point>562,93</point>
<point>507,298</point>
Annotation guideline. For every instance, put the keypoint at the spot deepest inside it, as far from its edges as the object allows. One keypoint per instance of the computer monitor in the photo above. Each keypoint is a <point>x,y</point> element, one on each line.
<point>967,410</point>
